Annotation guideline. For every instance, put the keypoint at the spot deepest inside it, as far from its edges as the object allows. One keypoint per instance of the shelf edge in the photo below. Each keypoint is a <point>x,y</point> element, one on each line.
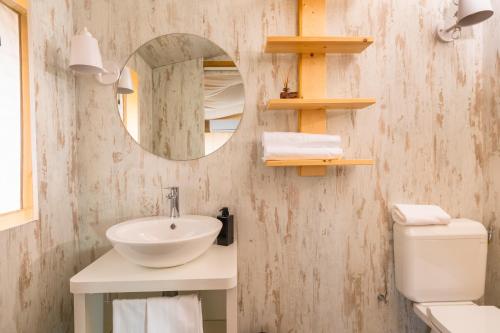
<point>319,162</point>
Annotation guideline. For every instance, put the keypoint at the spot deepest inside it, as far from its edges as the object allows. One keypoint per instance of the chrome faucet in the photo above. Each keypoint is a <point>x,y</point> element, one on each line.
<point>173,196</point>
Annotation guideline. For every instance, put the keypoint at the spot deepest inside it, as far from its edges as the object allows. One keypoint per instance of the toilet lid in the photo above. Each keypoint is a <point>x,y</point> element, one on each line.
<point>465,318</point>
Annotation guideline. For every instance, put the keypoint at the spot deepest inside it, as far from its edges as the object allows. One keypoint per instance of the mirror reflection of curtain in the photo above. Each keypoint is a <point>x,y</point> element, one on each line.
<point>224,94</point>
<point>224,102</point>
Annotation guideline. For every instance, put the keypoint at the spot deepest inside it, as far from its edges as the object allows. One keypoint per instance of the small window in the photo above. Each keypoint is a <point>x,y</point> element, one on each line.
<point>16,190</point>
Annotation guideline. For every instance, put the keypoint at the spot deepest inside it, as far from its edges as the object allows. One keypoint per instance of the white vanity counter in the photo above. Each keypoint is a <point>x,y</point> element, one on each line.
<point>111,273</point>
<point>214,270</point>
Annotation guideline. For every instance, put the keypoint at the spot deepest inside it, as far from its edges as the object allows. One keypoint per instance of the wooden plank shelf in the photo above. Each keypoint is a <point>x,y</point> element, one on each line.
<point>312,45</point>
<point>319,44</point>
<point>327,162</point>
<point>320,103</point>
<point>218,63</point>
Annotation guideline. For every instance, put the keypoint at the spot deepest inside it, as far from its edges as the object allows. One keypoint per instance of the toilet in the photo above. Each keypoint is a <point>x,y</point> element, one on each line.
<point>442,269</point>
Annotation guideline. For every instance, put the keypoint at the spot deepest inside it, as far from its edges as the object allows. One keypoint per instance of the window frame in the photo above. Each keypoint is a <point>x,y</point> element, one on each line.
<point>29,204</point>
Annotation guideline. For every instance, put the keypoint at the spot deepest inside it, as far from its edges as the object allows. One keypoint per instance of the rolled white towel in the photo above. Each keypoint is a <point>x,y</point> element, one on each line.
<point>180,314</point>
<point>129,316</point>
<point>419,214</point>
<point>297,153</point>
<point>304,140</point>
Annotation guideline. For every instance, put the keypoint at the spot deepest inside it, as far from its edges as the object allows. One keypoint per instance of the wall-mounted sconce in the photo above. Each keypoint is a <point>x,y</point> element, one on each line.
<point>86,58</point>
<point>470,12</point>
<point>125,85</point>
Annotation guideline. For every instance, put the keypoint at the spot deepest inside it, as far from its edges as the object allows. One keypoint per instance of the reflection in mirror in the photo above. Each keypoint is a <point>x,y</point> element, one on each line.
<point>180,96</point>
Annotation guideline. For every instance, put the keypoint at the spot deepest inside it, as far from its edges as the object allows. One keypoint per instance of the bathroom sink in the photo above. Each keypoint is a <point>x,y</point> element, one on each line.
<point>152,242</point>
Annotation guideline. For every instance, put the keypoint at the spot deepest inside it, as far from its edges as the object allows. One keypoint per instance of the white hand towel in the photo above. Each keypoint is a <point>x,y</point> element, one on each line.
<point>180,314</point>
<point>295,153</point>
<point>129,316</point>
<point>419,214</point>
<point>305,140</point>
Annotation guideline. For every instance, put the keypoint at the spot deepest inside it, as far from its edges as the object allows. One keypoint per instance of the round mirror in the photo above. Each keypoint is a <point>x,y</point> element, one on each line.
<point>180,96</point>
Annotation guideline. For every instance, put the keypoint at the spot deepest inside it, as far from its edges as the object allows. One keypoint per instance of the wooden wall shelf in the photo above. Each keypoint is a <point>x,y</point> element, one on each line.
<point>320,44</point>
<point>312,45</point>
<point>218,63</point>
<point>320,103</point>
<point>332,162</point>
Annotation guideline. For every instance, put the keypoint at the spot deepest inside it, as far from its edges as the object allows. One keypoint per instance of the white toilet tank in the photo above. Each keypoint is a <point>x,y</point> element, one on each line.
<point>441,263</point>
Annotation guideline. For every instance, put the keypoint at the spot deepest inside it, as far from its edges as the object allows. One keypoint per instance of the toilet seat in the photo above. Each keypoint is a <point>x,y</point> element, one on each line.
<point>464,317</point>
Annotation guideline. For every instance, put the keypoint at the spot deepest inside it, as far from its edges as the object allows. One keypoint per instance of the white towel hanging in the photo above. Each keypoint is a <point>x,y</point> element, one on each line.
<point>129,316</point>
<point>179,314</point>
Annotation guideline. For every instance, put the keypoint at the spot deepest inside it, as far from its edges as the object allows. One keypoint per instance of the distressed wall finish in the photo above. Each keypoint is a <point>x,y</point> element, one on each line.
<point>174,48</point>
<point>490,99</point>
<point>314,253</point>
<point>178,110</point>
<point>37,259</point>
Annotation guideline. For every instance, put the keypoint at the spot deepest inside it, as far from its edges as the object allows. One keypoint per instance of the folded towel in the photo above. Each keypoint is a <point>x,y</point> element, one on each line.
<point>419,214</point>
<point>304,140</point>
<point>180,314</point>
<point>294,153</point>
<point>129,316</point>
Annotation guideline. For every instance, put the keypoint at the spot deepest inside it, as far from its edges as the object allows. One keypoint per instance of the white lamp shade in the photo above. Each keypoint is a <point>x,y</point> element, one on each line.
<point>472,12</point>
<point>125,85</point>
<point>85,54</point>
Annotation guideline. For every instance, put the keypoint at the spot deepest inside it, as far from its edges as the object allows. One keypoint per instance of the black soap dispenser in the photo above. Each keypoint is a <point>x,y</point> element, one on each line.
<point>226,235</point>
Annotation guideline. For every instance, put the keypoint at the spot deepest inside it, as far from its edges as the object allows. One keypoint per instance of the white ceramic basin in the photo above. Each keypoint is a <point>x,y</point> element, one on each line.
<point>151,242</point>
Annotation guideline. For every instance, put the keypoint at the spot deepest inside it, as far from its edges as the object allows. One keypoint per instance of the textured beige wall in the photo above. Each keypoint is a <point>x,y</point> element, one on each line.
<point>178,111</point>
<point>314,253</point>
<point>37,259</point>
<point>490,112</point>
<point>177,47</point>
